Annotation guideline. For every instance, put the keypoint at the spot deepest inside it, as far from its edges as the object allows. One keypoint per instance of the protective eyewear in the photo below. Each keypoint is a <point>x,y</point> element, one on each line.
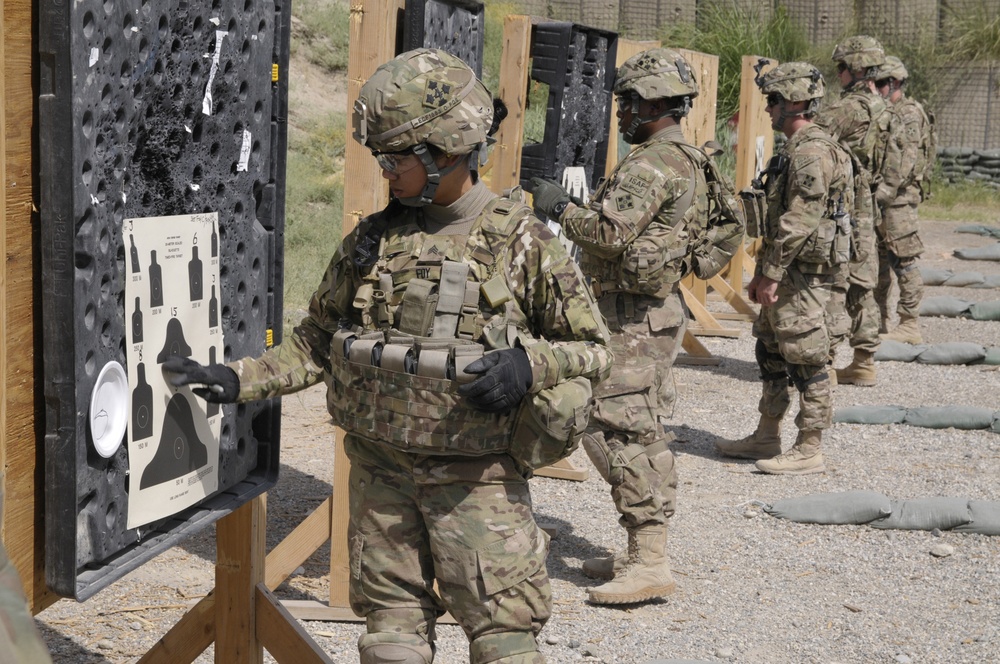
<point>624,102</point>
<point>774,99</point>
<point>396,163</point>
<point>841,67</point>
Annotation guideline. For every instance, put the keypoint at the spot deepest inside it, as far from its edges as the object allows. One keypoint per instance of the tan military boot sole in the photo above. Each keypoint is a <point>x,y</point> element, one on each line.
<point>739,449</point>
<point>844,378</point>
<point>790,468</point>
<point>639,595</point>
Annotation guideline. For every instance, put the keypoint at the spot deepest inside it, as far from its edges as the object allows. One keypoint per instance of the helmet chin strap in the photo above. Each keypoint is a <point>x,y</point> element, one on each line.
<point>434,175</point>
<point>637,121</point>
<point>778,125</point>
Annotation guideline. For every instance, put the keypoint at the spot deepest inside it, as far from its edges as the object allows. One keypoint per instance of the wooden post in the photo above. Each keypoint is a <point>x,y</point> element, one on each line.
<point>21,404</point>
<point>516,57</point>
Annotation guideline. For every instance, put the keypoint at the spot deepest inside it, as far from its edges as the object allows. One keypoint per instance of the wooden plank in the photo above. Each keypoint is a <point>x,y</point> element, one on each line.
<point>731,296</point>
<point>706,321</point>
<point>372,35</point>
<point>21,404</point>
<point>188,638</point>
<point>696,352</point>
<point>626,49</point>
<point>562,471</point>
<point>239,567</point>
<point>699,125</point>
<point>282,635</point>
<point>514,63</point>
<point>298,546</point>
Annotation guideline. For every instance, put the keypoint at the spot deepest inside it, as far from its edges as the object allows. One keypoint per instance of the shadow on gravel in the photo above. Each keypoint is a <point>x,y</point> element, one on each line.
<point>567,550</point>
<point>295,496</point>
<point>730,366</point>
<point>66,651</point>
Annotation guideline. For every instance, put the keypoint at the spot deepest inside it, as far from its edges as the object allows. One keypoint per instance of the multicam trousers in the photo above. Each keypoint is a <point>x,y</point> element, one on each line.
<point>626,438</point>
<point>464,522</point>
<point>899,247</point>
<point>793,345</point>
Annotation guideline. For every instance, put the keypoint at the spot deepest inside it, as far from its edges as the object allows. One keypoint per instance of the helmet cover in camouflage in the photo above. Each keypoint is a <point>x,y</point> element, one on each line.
<point>656,74</point>
<point>892,68</point>
<point>794,81</point>
<point>859,52</point>
<point>423,96</point>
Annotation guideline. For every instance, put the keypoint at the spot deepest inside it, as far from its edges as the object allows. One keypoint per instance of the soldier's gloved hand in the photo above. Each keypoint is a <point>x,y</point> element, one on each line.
<point>221,384</point>
<point>504,379</point>
<point>548,198</point>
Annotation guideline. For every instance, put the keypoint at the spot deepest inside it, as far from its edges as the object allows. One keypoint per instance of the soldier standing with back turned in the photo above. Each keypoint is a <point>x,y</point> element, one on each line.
<point>800,274</point>
<point>641,233</point>
<point>860,122</point>
<point>905,184</point>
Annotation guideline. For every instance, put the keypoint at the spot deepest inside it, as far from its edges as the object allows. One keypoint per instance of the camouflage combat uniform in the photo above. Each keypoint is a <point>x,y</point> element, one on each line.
<point>794,335</point>
<point>437,492</point>
<point>635,243</point>
<point>860,122</point>
<point>904,180</point>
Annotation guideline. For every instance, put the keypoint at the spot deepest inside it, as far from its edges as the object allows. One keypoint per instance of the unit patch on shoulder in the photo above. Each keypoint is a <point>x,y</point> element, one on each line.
<point>634,184</point>
<point>624,202</point>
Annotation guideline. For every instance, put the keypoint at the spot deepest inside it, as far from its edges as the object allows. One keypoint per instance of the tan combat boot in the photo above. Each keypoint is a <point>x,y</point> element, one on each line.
<point>860,372</point>
<point>604,568</point>
<point>763,443</point>
<point>804,458</point>
<point>908,331</point>
<point>646,573</point>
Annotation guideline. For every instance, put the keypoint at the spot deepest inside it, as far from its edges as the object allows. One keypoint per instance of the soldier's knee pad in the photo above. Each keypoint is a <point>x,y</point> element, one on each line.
<point>600,454</point>
<point>504,648</point>
<point>391,648</point>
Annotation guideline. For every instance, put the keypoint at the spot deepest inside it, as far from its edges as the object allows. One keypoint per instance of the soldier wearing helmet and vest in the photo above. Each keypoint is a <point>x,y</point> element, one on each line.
<point>905,182</point>
<point>801,269</point>
<point>860,122</point>
<point>636,236</point>
<point>446,327</point>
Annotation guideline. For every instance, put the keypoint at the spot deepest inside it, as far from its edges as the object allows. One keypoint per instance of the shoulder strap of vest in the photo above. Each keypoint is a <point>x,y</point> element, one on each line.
<point>495,225</point>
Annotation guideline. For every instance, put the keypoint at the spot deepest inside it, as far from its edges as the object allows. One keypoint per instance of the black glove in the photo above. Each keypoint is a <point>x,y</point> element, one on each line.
<point>549,198</point>
<point>505,377</point>
<point>222,385</point>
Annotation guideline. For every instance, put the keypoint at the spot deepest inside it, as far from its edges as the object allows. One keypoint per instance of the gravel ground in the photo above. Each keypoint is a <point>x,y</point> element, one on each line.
<point>751,588</point>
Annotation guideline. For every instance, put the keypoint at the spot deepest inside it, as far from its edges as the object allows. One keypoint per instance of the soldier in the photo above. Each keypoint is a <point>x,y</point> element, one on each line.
<point>636,237</point>
<point>801,269</point>
<point>439,433</point>
<point>905,183</point>
<point>860,122</point>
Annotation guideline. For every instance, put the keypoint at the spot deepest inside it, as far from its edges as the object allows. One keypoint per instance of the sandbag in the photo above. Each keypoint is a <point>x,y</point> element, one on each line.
<point>934,277</point>
<point>987,253</point>
<point>978,229</point>
<point>985,311</point>
<point>944,417</point>
<point>990,281</point>
<point>870,415</point>
<point>992,356</point>
<point>984,518</point>
<point>952,352</point>
<point>832,508</point>
<point>960,279</point>
<point>944,305</point>
<point>897,351</point>
<point>926,514</point>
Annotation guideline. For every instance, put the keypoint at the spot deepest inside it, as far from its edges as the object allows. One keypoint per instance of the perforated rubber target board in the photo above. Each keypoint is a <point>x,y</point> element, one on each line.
<point>169,110</point>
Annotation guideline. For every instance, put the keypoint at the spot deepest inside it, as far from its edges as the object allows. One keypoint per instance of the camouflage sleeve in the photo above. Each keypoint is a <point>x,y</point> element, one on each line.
<point>644,187</point>
<point>571,337</point>
<point>835,119</point>
<point>302,358</point>
<point>805,205</point>
<point>895,167</point>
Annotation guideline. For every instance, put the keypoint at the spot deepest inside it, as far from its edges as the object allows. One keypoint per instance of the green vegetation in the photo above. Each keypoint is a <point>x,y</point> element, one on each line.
<point>961,201</point>
<point>973,34</point>
<point>320,32</point>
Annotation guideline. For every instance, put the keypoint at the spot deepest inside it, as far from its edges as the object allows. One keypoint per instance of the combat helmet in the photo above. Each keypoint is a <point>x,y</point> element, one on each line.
<point>860,53</point>
<point>659,73</point>
<point>793,82</point>
<point>421,98</point>
<point>893,67</point>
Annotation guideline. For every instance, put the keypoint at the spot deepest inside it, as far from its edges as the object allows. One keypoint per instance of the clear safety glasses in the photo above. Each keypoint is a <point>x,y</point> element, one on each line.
<point>396,163</point>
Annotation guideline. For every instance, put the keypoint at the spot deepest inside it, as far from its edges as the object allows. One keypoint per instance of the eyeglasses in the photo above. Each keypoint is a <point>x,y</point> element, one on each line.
<point>841,67</point>
<point>774,99</point>
<point>395,162</point>
<point>624,102</point>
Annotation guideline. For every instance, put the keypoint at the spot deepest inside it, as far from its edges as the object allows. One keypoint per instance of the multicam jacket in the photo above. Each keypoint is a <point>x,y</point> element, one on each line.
<point>803,200</point>
<point>910,156</point>
<point>638,228</point>
<point>539,301</point>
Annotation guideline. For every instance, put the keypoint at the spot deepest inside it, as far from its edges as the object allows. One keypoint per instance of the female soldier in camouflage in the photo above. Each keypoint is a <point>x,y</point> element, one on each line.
<point>801,270</point>
<point>435,429</point>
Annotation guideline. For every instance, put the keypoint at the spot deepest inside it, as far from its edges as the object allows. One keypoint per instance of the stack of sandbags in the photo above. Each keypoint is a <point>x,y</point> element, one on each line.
<point>928,417</point>
<point>949,352</point>
<point>938,277</point>
<point>953,307</point>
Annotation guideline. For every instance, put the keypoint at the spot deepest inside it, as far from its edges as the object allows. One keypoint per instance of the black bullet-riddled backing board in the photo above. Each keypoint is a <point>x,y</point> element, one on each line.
<point>455,26</point>
<point>152,108</point>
